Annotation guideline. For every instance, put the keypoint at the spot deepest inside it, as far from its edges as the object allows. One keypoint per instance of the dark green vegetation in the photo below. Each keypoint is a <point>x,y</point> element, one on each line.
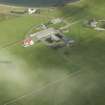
<point>69,76</point>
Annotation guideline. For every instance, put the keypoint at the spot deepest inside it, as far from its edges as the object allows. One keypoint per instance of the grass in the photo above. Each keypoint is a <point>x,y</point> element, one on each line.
<point>68,76</point>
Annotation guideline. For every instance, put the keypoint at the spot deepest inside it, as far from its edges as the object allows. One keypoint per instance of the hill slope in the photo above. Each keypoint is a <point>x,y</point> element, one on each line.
<point>42,76</point>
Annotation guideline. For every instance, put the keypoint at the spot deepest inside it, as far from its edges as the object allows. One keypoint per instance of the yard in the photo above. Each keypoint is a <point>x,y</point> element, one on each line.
<point>42,76</point>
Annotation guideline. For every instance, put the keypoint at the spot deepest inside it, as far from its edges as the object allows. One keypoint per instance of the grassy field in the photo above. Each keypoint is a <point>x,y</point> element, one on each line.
<point>42,76</point>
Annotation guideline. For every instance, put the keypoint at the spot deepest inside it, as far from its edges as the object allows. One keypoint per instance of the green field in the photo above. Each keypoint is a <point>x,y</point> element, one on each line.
<point>39,75</point>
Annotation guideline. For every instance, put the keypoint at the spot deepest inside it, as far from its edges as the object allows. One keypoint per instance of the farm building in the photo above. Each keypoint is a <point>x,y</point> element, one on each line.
<point>50,37</point>
<point>56,21</point>
<point>32,10</point>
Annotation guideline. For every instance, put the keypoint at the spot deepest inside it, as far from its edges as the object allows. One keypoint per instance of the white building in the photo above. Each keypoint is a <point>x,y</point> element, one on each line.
<point>93,24</point>
<point>56,21</point>
<point>32,10</point>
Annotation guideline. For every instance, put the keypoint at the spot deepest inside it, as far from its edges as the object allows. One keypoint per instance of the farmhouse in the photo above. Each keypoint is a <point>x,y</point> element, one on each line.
<point>32,10</point>
<point>50,37</point>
